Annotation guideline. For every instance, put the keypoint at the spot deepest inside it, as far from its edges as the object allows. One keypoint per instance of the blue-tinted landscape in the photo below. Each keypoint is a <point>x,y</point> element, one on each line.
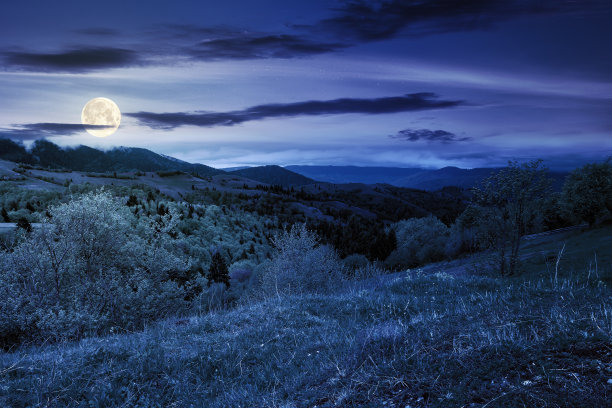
<point>336,203</point>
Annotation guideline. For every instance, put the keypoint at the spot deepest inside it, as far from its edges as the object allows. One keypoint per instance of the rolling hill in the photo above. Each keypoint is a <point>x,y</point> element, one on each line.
<point>129,159</point>
<point>354,174</point>
<point>274,175</point>
<point>83,158</point>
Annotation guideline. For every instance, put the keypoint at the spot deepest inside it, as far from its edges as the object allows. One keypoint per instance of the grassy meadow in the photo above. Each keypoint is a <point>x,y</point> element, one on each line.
<point>417,338</point>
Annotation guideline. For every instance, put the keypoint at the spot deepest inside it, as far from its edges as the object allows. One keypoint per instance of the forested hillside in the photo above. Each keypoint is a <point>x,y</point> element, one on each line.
<point>83,158</point>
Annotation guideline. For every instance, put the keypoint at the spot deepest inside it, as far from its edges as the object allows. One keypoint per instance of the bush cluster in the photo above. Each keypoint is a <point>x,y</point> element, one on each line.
<point>89,268</point>
<point>300,264</point>
<point>419,241</point>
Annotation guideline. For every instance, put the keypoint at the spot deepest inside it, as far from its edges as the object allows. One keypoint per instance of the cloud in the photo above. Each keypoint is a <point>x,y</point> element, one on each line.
<point>75,60</point>
<point>33,131</point>
<point>414,135</point>
<point>393,104</point>
<point>262,46</point>
<point>364,21</point>
<point>226,43</point>
<point>352,23</point>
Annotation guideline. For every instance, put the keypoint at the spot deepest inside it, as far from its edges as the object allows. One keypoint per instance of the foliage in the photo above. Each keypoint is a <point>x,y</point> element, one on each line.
<point>300,264</point>
<point>218,271</point>
<point>509,203</point>
<point>358,235</point>
<point>89,267</point>
<point>463,236</point>
<point>30,204</point>
<point>419,241</point>
<point>354,262</point>
<point>24,224</point>
<point>555,213</point>
<point>588,191</point>
<point>241,271</point>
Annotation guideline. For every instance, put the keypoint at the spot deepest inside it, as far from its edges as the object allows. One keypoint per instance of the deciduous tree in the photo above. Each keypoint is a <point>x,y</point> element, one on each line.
<point>588,191</point>
<point>511,201</point>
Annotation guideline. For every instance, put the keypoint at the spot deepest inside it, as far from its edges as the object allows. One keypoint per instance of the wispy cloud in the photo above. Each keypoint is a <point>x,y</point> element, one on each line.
<point>367,20</point>
<point>74,60</point>
<point>414,135</point>
<point>33,131</point>
<point>392,104</point>
<point>352,23</point>
<point>260,46</point>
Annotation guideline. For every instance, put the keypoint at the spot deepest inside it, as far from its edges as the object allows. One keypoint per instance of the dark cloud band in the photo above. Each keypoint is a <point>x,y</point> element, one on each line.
<point>372,20</point>
<point>414,135</point>
<point>77,60</point>
<point>266,46</point>
<point>354,22</point>
<point>393,104</point>
<point>33,131</point>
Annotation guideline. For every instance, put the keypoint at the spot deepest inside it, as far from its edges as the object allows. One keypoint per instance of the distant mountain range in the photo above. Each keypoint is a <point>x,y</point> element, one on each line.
<point>274,175</point>
<point>422,179</point>
<point>126,159</point>
<point>355,174</point>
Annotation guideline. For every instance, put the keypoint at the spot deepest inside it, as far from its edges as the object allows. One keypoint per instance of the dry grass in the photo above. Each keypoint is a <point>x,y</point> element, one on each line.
<point>416,340</point>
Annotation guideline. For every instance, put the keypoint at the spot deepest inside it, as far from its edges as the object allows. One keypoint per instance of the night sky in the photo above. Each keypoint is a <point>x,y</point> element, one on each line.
<point>424,83</point>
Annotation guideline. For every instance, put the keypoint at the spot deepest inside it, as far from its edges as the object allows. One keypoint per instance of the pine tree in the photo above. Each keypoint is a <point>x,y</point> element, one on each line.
<point>132,201</point>
<point>24,224</point>
<point>5,215</point>
<point>218,271</point>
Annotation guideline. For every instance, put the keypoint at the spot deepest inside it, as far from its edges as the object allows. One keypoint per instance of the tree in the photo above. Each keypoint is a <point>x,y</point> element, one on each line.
<point>464,232</point>
<point>218,271</point>
<point>132,201</point>
<point>5,216</point>
<point>588,191</point>
<point>510,202</point>
<point>24,224</point>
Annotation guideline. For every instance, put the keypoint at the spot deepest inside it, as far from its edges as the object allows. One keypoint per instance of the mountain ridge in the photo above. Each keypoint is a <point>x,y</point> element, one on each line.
<point>85,158</point>
<point>409,177</point>
<point>122,159</point>
<point>275,175</point>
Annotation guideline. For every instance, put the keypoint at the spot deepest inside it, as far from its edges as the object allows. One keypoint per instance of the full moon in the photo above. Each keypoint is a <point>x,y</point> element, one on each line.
<point>101,117</point>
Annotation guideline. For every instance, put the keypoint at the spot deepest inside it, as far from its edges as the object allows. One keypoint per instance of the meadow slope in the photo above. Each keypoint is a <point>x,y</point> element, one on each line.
<point>421,338</point>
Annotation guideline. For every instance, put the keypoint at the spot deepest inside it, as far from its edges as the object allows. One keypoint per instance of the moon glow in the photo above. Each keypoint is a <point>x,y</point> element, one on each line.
<point>101,117</point>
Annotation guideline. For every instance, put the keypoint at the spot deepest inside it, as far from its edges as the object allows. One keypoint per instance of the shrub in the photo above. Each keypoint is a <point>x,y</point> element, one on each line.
<point>241,271</point>
<point>419,241</point>
<point>354,262</point>
<point>86,270</point>
<point>300,264</point>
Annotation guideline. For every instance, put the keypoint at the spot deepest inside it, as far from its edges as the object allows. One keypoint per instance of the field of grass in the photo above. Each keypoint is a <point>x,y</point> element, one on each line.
<point>412,339</point>
<point>583,251</point>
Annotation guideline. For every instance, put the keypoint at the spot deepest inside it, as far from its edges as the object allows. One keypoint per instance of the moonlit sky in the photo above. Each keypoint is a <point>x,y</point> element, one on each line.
<point>424,83</point>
